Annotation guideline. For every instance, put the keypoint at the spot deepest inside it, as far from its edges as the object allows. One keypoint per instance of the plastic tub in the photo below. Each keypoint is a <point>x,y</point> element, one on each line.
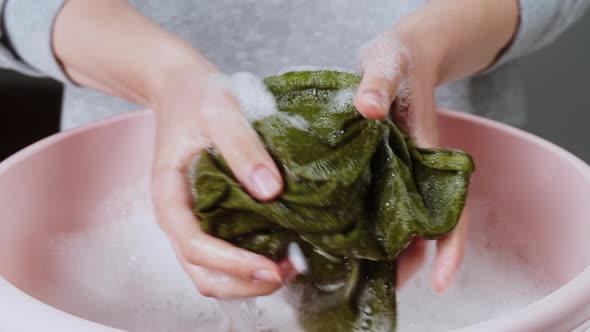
<point>55,184</point>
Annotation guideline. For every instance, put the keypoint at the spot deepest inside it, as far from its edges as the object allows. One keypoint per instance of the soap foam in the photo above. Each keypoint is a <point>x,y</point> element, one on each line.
<point>121,271</point>
<point>295,120</point>
<point>340,99</point>
<point>492,280</point>
<point>255,100</point>
<point>297,258</point>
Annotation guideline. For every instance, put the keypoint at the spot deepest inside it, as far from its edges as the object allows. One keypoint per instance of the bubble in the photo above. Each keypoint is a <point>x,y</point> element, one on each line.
<point>297,258</point>
<point>255,100</point>
<point>295,120</point>
<point>491,281</point>
<point>340,99</point>
<point>121,271</point>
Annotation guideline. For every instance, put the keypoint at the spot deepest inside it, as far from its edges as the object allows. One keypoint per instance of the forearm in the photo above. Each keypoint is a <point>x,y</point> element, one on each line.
<point>460,37</point>
<point>109,46</point>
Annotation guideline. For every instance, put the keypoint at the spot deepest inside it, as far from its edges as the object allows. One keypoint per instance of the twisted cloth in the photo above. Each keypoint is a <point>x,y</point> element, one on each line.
<point>356,192</point>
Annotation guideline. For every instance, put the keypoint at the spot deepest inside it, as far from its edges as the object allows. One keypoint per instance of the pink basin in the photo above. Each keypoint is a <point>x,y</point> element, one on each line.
<point>54,186</point>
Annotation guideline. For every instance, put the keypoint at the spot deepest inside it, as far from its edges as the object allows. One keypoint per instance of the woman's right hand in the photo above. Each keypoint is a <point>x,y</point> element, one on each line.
<point>109,46</point>
<point>197,110</point>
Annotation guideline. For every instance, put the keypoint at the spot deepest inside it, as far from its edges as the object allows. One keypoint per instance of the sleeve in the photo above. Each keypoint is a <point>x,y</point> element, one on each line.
<point>541,22</point>
<point>25,37</point>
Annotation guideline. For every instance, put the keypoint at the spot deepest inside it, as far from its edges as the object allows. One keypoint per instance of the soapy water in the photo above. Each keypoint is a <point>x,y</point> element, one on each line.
<point>121,271</point>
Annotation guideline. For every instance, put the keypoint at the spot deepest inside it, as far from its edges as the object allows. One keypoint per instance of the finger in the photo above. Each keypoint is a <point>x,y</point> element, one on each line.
<point>173,209</point>
<point>449,255</point>
<point>417,116</point>
<point>410,261</point>
<point>222,286</point>
<point>385,65</point>
<point>239,144</point>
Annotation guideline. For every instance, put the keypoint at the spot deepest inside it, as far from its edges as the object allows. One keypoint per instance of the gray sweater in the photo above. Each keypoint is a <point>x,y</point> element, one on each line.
<point>264,37</point>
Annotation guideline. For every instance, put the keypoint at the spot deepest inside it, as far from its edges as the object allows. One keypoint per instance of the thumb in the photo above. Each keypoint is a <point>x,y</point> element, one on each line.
<point>385,66</point>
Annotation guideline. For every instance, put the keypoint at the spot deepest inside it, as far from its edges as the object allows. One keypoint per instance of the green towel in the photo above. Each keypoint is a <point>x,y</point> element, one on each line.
<point>356,192</point>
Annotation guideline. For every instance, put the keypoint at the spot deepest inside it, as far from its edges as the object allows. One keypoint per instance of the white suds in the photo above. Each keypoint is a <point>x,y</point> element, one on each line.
<point>255,100</point>
<point>122,272</point>
<point>340,99</point>
<point>295,120</point>
<point>297,258</point>
<point>493,279</point>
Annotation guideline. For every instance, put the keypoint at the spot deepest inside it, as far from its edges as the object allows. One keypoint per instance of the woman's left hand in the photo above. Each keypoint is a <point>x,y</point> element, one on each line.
<point>401,67</point>
<point>402,80</point>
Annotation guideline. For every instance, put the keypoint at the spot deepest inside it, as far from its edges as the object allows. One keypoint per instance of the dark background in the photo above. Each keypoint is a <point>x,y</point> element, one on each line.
<point>556,83</point>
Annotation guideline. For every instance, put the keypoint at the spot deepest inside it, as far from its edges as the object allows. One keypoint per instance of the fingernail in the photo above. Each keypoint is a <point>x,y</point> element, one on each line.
<point>266,276</point>
<point>265,183</point>
<point>443,280</point>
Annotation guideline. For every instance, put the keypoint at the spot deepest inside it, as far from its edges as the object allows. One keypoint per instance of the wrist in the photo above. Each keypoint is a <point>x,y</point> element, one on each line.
<point>460,37</point>
<point>177,68</point>
<point>426,50</point>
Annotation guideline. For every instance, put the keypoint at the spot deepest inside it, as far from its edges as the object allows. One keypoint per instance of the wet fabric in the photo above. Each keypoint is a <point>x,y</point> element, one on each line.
<point>356,192</point>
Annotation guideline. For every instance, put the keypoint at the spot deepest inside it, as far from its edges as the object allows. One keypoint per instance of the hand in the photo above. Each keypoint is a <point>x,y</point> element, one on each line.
<point>193,110</point>
<point>441,42</point>
<point>401,79</point>
<point>195,113</point>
